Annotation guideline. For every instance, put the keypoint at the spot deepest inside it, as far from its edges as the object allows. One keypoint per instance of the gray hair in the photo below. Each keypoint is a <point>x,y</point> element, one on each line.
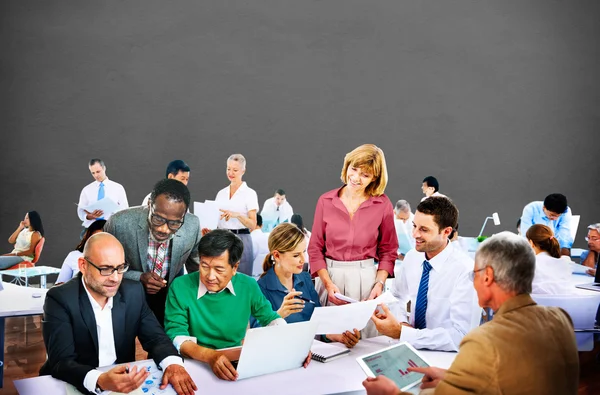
<point>402,205</point>
<point>98,161</point>
<point>238,158</point>
<point>512,259</point>
<point>595,227</point>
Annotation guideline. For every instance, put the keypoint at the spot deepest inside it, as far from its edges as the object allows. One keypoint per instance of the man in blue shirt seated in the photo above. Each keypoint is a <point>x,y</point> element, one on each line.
<point>591,257</point>
<point>554,213</point>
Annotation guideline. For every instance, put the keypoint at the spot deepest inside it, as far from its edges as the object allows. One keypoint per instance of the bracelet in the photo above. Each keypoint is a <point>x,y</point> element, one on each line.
<point>379,282</point>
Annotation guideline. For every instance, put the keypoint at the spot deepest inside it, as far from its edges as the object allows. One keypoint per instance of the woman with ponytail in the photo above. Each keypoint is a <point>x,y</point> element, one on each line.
<point>552,274</point>
<point>283,282</point>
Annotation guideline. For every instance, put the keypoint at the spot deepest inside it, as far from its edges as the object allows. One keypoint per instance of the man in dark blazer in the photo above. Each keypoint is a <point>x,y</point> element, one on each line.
<point>159,239</point>
<point>93,320</point>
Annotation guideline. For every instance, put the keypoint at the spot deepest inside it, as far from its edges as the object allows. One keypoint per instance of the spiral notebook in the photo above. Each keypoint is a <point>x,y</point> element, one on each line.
<point>325,352</point>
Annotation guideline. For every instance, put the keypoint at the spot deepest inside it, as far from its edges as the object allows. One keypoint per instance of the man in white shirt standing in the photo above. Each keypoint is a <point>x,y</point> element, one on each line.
<point>435,279</point>
<point>431,187</point>
<point>276,210</point>
<point>93,320</point>
<point>100,189</point>
<point>403,220</point>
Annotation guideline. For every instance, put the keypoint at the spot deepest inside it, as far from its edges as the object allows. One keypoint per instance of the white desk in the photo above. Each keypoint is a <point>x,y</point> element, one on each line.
<point>339,376</point>
<point>26,273</point>
<point>16,301</point>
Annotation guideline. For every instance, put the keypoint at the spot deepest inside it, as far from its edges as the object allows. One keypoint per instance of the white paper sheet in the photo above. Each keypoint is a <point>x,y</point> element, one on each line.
<point>107,205</point>
<point>208,213</point>
<point>385,297</point>
<point>579,269</point>
<point>338,319</point>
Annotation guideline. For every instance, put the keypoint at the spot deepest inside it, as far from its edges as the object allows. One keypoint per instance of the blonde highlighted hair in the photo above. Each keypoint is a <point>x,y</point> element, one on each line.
<point>285,237</point>
<point>369,158</point>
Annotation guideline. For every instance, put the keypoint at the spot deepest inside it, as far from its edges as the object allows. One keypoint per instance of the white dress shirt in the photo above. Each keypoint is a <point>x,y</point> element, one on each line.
<point>107,355</point>
<point>552,275</point>
<point>451,298</point>
<point>404,230</point>
<point>202,290</point>
<point>260,249</point>
<point>70,267</point>
<point>242,201</point>
<point>89,195</point>
<point>435,194</point>
<point>272,216</point>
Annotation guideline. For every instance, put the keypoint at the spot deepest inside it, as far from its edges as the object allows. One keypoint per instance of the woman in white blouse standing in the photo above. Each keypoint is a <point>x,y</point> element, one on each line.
<point>552,273</point>
<point>238,205</point>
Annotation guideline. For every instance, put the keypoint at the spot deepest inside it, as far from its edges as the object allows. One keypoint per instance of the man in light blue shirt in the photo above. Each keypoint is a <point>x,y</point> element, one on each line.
<point>554,213</point>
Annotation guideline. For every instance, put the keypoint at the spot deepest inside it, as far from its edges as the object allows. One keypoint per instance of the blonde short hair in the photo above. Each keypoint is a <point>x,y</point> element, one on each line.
<point>238,158</point>
<point>370,158</point>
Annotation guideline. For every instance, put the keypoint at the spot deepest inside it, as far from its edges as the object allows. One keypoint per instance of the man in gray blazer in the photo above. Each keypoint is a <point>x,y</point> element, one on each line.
<point>158,240</point>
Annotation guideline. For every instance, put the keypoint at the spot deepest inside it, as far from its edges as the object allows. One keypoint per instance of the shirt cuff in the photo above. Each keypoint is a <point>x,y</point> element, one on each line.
<point>179,340</point>
<point>408,334</point>
<point>278,321</point>
<point>171,360</point>
<point>91,380</point>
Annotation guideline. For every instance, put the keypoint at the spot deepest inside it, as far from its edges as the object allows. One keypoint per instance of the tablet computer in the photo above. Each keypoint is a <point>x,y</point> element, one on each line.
<point>393,362</point>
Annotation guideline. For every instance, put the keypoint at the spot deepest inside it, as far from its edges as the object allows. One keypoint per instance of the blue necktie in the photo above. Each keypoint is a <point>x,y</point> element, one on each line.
<point>421,307</point>
<point>101,195</point>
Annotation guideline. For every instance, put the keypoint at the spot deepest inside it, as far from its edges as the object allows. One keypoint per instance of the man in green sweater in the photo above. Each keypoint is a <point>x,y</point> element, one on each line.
<point>210,309</point>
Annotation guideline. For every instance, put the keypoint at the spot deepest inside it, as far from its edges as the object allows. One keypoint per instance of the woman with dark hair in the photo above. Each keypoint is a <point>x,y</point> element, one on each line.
<point>552,273</point>
<point>299,222</point>
<point>25,238</point>
<point>70,266</point>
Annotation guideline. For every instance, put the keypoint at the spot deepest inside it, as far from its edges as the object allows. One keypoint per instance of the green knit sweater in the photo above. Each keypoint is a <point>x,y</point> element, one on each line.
<point>217,320</point>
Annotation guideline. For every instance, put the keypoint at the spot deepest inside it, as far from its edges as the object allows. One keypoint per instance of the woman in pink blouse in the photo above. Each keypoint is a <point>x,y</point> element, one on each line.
<point>353,228</point>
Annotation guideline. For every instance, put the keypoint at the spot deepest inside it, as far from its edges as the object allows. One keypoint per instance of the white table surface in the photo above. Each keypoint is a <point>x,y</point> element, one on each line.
<point>16,300</point>
<point>338,376</point>
<point>31,271</point>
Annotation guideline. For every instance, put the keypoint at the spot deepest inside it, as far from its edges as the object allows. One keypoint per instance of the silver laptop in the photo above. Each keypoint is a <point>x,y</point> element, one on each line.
<point>275,348</point>
<point>595,286</point>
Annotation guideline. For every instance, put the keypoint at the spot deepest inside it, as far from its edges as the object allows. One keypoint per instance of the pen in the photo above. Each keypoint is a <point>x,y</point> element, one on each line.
<point>305,299</point>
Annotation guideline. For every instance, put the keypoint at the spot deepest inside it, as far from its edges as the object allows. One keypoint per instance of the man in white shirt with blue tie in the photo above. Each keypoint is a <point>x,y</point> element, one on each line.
<point>276,210</point>
<point>101,188</point>
<point>434,277</point>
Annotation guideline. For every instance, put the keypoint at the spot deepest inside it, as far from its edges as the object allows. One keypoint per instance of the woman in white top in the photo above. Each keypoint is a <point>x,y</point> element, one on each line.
<point>25,238</point>
<point>552,274</point>
<point>238,205</point>
<point>70,266</point>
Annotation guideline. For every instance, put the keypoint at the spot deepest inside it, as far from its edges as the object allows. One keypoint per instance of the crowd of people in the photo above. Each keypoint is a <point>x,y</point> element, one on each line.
<point>188,291</point>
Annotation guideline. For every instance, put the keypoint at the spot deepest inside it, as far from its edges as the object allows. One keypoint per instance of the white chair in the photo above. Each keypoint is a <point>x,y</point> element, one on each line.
<point>574,225</point>
<point>581,308</point>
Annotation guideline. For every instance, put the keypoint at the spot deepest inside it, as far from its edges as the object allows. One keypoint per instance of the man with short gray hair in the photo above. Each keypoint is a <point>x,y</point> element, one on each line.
<point>403,220</point>
<point>525,349</point>
<point>591,257</point>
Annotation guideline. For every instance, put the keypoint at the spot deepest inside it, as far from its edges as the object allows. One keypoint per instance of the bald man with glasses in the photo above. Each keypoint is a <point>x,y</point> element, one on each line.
<point>159,240</point>
<point>93,320</point>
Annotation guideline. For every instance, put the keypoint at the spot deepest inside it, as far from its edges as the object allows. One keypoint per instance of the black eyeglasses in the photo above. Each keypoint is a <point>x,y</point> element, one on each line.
<point>108,271</point>
<point>472,274</point>
<point>157,220</point>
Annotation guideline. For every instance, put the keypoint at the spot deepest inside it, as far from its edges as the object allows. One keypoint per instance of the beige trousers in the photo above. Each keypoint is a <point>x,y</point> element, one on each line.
<point>355,280</point>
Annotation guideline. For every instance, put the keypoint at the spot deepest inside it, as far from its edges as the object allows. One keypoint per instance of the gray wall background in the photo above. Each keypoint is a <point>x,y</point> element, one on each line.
<point>499,100</point>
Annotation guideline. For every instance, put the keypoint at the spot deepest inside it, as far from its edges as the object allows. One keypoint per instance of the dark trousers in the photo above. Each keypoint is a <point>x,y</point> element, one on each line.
<point>157,303</point>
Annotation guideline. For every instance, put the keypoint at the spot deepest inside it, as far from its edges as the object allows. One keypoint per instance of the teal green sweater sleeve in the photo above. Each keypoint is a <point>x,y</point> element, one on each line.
<point>176,311</point>
<point>261,307</point>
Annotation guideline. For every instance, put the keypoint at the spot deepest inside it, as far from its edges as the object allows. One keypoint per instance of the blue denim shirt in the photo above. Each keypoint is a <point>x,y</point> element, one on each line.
<point>274,291</point>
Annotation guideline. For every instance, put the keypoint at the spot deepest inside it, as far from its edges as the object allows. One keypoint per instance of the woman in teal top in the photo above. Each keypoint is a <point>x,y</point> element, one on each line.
<point>283,282</point>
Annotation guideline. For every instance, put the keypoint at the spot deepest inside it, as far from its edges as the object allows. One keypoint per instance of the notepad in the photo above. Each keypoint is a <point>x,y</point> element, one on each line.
<point>324,352</point>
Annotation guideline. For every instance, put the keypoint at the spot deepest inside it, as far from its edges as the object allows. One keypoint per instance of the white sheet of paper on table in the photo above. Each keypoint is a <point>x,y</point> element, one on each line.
<point>208,213</point>
<point>385,297</point>
<point>338,319</point>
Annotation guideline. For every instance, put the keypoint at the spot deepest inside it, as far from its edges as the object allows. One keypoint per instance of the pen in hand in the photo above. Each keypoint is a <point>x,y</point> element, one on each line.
<point>305,299</point>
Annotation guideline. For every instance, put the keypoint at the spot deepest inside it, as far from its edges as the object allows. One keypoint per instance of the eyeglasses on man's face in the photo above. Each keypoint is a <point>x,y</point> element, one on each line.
<point>592,239</point>
<point>472,274</point>
<point>108,271</point>
<point>157,220</point>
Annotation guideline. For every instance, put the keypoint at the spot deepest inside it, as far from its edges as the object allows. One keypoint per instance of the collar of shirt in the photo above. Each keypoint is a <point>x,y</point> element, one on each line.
<point>272,281</point>
<point>516,302</point>
<point>202,290</point>
<point>97,183</point>
<point>334,195</point>
<point>242,187</point>
<point>437,262</point>
<point>96,305</point>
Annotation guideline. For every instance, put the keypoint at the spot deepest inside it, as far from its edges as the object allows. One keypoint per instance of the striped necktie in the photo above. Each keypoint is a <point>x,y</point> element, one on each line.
<point>421,307</point>
<point>161,252</point>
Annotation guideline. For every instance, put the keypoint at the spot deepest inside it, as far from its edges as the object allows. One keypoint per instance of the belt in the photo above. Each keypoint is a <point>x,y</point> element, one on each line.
<point>243,231</point>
